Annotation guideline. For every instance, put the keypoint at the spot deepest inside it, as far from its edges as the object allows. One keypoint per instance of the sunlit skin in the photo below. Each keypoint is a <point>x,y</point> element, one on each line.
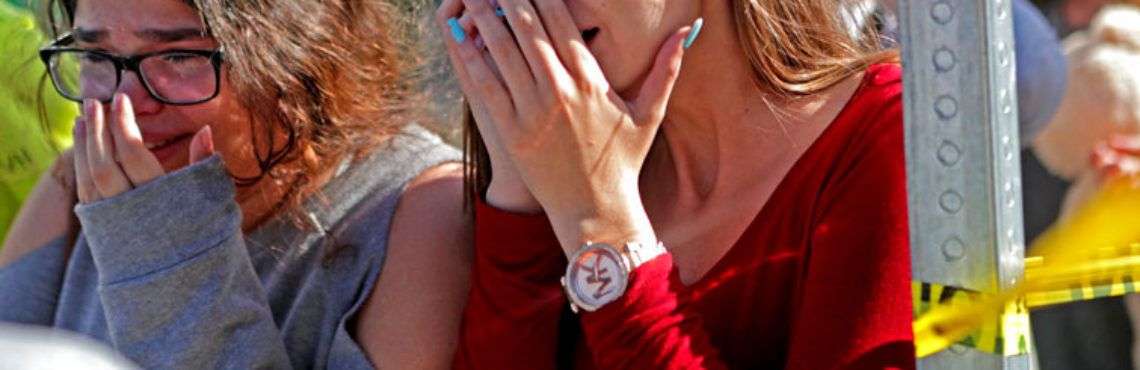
<point>1118,156</point>
<point>133,27</point>
<point>693,175</point>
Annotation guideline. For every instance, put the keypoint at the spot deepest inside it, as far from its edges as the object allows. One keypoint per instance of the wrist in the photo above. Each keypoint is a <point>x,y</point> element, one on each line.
<point>599,273</point>
<point>615,229</point>
<point>616,221</point>
<point>511,196</point>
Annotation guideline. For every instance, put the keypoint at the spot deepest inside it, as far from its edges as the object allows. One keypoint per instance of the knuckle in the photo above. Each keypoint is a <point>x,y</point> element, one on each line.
<point>469,54</point>
<point>102,175</point>
<point>565,95</point>
<point>132,146</point>
<point>479,8</point>
<point>487,86</point>
<point>527,21</point>
<point>126,143</point>
<point>563,85</point>
<point>502,38</point>
<point>587,87</point>
<point>561,112</point>
<point>470,61</point>
<point>555,101</point>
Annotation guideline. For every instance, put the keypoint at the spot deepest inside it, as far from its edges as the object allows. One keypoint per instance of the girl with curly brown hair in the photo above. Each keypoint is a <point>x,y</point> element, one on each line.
<point>342,216</point>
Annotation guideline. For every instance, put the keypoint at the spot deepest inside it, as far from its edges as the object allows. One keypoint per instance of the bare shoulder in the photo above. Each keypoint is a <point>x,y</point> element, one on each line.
<point>432,209</point>
<point>433,191</point>
<point>423,285</point>
<point>46,214</point>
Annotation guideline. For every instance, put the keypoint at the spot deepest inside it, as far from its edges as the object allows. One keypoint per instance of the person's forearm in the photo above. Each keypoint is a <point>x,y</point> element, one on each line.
<point>30,285</point>
<point>175,277</point>
<point>512,314</point>
<point>649,327</point>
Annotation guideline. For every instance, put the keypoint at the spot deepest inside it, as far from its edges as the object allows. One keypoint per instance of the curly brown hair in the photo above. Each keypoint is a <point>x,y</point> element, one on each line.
<point>333,74</point>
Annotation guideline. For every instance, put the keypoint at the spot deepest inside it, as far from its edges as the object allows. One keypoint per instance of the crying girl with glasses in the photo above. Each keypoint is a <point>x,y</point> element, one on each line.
<point>246,190</point>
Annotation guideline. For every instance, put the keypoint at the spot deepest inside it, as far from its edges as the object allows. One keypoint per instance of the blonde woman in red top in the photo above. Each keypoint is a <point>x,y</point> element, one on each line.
<point>765,156</point>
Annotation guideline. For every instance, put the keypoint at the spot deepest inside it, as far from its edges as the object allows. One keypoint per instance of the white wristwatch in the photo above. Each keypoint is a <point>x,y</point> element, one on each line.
<point>598,273</point>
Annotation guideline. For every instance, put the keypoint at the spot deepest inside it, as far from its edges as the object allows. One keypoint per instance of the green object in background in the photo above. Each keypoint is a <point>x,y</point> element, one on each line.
<point>20,3</point>
<point>26,148</point>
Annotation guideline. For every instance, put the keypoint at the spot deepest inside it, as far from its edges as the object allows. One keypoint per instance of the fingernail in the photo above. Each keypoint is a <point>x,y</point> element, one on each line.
<point>209,136</point>
<point>694,33</point>
<point>206,145</point>
<point>121,99</point>
<point>457,32</point>
<point>116,103</point>
<point>1119,141</point>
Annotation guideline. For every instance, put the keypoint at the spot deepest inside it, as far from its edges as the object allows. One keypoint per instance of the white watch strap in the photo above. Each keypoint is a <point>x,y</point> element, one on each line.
<point>639,253</point>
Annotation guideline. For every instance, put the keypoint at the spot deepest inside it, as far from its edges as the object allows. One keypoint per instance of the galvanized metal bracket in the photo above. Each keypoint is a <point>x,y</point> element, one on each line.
<point>963,166</point>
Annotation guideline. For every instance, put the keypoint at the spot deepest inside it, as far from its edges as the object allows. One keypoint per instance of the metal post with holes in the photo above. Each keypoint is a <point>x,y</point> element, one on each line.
<point>963,170</point>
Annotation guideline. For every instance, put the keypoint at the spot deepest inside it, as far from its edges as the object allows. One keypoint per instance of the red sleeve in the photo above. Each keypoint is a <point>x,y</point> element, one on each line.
<point>516,299</point>
<point>649,327</point>
<point>512,314</point>
<point>855,306</point>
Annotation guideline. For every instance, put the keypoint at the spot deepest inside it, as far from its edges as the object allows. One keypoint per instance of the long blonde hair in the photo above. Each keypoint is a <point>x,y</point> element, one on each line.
<point>802,47</point>
<point>795,47</point>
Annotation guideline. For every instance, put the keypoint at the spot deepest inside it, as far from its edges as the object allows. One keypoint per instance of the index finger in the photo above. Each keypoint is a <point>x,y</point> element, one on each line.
<point>138,163</point>
<point>534,41</point>
<point>565,36</point>
<point>447,10</point>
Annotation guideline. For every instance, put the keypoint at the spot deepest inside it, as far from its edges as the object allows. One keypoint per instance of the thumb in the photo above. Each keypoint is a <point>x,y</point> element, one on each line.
<point>649,106</point>
<point>202,146</point>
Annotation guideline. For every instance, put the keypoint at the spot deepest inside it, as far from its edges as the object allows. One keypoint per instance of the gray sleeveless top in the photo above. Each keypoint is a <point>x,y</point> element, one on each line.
<point>164,275</point>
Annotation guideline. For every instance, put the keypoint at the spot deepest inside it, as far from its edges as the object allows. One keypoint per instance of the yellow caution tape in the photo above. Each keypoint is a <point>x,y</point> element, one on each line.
<point>1094,254</point>
<point>968,318</point>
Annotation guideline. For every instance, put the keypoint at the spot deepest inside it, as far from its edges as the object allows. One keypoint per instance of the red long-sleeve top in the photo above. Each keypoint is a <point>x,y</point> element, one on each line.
<point>820,279</point>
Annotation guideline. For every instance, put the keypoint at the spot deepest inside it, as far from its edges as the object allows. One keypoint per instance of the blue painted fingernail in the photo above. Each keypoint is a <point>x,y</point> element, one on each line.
<point>457,32</point>
<point>500,12</point>
<point>694,33</point>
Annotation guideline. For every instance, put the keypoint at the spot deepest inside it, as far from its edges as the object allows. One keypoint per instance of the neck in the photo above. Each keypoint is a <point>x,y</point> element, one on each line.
<point>721,128</point>
<point>717,116</point>
<point>271,195</point>
<point>262,200</point>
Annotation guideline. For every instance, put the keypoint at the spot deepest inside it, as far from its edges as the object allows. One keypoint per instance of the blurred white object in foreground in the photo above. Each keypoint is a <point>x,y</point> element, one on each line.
<point>33,348</point>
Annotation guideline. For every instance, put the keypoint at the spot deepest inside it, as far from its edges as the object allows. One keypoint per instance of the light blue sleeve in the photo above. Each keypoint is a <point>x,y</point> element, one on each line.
<point>175,277</point>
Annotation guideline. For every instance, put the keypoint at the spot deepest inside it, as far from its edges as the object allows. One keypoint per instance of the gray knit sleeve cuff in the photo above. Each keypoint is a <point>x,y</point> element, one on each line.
<point>162,223</point>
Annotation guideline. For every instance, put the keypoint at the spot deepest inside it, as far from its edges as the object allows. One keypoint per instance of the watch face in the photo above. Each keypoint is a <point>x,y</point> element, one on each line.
<point>597,276</point>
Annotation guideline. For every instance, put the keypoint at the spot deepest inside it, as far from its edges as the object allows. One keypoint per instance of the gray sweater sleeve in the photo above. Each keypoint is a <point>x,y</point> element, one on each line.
<point>175,277</point>
<point>29,286</point>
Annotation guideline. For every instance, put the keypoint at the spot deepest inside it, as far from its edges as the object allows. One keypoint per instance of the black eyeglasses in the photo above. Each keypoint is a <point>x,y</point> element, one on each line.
<point>175,77</point>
